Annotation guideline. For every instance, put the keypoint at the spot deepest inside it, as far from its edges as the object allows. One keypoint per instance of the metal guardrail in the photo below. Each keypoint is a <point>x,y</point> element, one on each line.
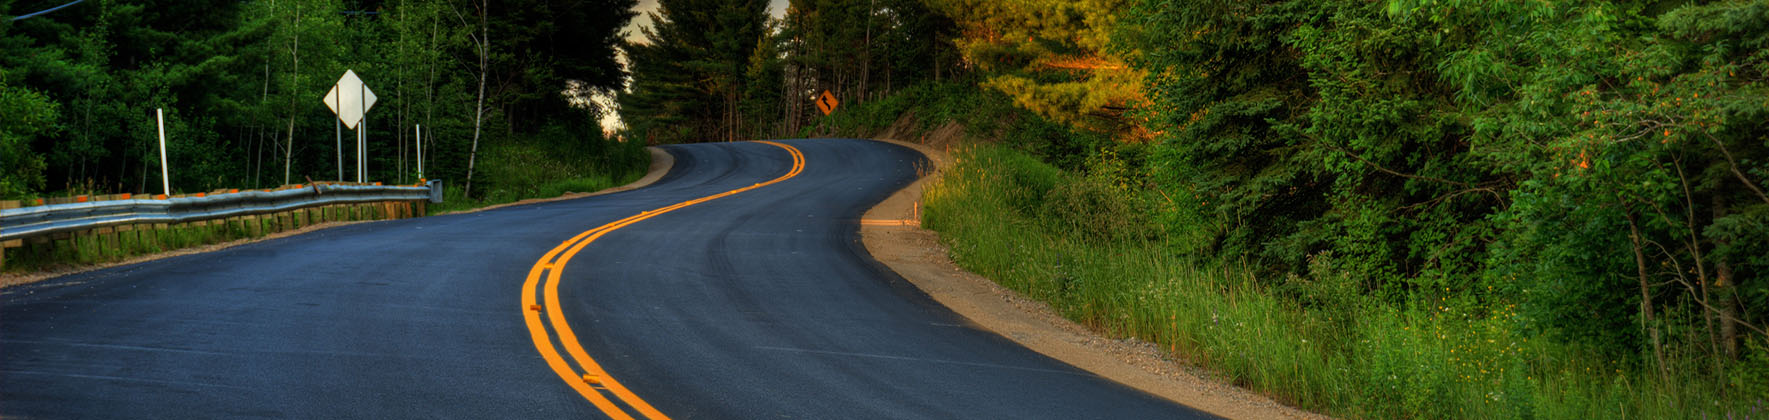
<point>43,220</point>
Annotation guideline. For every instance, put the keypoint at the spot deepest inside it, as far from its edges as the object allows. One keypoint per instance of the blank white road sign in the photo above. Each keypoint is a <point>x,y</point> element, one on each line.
<point>350,99</point>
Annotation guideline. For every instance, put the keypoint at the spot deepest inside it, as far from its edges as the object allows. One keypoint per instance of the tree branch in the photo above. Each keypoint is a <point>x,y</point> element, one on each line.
<point>1733,165</point>
<point>1379,168</point>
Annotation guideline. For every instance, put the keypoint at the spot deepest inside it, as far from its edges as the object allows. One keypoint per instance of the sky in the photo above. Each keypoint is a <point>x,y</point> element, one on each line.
<point>777,8</point>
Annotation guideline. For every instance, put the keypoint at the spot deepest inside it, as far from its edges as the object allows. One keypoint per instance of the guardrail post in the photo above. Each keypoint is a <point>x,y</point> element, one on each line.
<point>107,242</point>
<point>126,240</point>
<point>7,204</point>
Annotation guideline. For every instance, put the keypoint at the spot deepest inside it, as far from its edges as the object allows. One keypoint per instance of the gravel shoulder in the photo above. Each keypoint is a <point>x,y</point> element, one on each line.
<point>917,255</point>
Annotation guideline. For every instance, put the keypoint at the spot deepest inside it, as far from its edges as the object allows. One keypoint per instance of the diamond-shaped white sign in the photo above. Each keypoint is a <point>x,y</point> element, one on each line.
<point>350,99</point>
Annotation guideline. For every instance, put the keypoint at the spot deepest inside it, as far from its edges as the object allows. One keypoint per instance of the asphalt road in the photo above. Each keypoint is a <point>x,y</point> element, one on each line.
<point>761,304</point>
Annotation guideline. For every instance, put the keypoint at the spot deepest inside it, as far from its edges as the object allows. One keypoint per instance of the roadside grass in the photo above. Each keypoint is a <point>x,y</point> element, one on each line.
<point>98,248</point>
<point>548,165</point>
<point>1313,342</point>
<point>553,164</point>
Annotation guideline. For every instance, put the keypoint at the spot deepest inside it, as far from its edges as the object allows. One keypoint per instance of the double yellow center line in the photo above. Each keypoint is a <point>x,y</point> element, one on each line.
<point>588,378</point>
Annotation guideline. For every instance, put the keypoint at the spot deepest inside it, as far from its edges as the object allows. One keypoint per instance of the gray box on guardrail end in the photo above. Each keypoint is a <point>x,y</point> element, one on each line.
<point>435,190</point>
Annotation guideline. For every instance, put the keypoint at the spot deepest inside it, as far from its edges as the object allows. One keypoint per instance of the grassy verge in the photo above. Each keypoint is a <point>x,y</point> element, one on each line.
<point>1082,244</point>
<point>122,243</point>
<point>548,165</point>
<point>553,164</point>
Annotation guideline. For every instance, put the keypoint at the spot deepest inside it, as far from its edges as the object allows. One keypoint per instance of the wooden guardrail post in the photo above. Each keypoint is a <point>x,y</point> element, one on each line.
<point>7,204</point>
<point>74,240</point>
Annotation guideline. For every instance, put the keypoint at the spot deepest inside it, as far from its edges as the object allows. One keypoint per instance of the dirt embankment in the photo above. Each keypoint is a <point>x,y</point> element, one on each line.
<point>918,256</point>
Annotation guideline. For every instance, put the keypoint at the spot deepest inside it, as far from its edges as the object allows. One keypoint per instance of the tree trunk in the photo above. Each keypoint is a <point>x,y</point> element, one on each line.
<point>1725,291</point>
<point>399,92</point>
<point>430,85</point>
<point>866,58</point>
<point>479,106</point>
<point>294,86</point>
<point>1694,246</point>
<point>1647,322</point>
<point>263,104</point>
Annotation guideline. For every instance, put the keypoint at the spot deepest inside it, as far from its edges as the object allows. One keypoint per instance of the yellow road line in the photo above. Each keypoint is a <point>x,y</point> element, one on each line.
<point>593,379</point>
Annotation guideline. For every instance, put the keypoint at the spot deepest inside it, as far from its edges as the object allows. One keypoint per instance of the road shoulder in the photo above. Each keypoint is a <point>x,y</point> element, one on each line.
<point>918,256</point>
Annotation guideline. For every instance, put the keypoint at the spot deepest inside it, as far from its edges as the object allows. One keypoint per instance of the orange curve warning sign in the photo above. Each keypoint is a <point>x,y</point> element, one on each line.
<point>826,102</point>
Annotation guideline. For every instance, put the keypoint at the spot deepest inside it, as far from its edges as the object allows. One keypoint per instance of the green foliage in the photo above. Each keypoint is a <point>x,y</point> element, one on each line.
<point>559,161</point>
<point>241,83</point>
<point>1458,145</point>
<point>1315,340</point>
<point>721,70</point>
<point>1095,210</point>
<point>985,115</point>
<point>689,70</point>
<point>1050,56</point>
<point>28,115</point>
<point>86,248</point>
<point>1467,209</point>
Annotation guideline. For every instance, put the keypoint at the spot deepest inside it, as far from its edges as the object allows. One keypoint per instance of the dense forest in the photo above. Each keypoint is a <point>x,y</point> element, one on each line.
<point>726,70</point>
<point>241,84</point>
<point>1467,208</point>
<point>1589,175</point>
<point>1601,165</point>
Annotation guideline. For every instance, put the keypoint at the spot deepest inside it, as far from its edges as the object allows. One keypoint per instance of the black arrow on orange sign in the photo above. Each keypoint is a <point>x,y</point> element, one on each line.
<point>826,103</point>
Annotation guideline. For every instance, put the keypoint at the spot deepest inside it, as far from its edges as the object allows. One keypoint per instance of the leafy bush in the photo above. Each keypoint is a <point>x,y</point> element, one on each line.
<point>1315,340</point>
<point>29,115</point>
<point>1597,169</point>
<point>1094,210</point>
<point>562,158</point>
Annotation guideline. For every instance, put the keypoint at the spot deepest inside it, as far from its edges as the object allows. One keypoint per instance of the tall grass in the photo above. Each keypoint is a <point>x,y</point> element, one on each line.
<point>549,165</point>
<point>87,248</point>
<point>1314,342</point>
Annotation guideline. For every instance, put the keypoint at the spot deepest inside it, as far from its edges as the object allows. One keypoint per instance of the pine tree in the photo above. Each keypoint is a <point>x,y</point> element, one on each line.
<point>1053,57</point>
<point>691,68</point>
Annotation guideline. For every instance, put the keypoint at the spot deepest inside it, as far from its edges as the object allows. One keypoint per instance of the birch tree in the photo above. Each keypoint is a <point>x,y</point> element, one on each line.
<point>482,48</point>
<point>294,83</point>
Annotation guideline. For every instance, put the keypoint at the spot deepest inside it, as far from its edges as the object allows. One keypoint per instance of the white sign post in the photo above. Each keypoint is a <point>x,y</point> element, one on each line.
<point>351,100</point>
<point>338,127</point>
<point>418,133</point>
<point>165,176</point>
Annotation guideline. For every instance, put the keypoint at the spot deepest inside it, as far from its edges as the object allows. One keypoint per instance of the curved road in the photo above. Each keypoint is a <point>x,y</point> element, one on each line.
<point>757,304</point>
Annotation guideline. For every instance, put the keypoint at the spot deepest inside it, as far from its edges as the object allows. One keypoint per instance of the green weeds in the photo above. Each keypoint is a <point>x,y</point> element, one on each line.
<point>122,243</point>
<point>1315,341</point>
<point>550,165</point>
